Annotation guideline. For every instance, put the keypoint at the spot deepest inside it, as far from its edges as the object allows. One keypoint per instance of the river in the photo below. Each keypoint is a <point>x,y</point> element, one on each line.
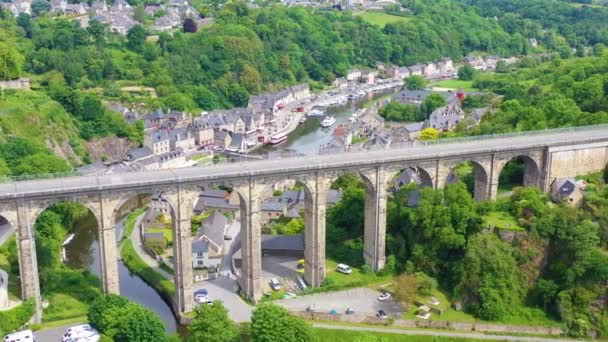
<point>308,137</point>
<point>83,252</point>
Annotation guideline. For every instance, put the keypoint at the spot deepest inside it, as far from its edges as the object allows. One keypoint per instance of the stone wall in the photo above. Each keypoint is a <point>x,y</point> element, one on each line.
<point>582,159</point>
<point>20,84</point>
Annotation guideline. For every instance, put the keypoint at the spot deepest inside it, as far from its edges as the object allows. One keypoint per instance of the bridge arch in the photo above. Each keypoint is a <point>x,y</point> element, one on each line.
<point>520,170</point>
<point>474,174</point>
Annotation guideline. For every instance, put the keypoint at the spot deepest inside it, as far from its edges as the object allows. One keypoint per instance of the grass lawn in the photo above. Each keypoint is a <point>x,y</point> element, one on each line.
<point>168,233</point>
<point>64,307</point>
<point>502,220</point>
<point>449,314</point>
<point>356,278</point>
<point>130,221</point>
<point>336,335</point>
<point>455,84</point>
<point>381,18</point>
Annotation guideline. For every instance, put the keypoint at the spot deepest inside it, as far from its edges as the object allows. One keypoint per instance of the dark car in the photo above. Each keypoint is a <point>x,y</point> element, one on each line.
<point>201,292</point>
<point>350,311</point>
<point>381,314</point>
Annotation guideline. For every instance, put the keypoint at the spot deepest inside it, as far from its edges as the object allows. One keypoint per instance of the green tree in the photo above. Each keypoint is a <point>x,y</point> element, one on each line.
<point>11,61</point>
<point>467,72</point>
<point>415,82</point>
<point>40,7</point>
<point>42,163</point>
<point>491,282</point>
<point>136,37</point>
<point>4,169</point>
<point>211,323</point>
<point>431,103</point>
<point>271,323</point>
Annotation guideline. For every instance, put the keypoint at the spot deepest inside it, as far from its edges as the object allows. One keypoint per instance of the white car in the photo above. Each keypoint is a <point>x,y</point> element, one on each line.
<point>274,283</point>
<point>86,335</point>
<point>384,296</point>
<point>342,268</point>
<point>73,331</point>
<point>20,336</point>
<point>201,299</point>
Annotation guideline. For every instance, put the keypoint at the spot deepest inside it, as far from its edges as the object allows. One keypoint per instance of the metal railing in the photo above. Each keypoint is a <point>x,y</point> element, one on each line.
<point>337,152</point>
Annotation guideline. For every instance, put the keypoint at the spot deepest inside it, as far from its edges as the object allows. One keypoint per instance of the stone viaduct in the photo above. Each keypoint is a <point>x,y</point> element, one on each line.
<point>547,155</point>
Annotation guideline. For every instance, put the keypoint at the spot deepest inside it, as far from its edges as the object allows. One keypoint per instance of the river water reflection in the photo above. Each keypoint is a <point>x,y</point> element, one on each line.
<point>83,252</point>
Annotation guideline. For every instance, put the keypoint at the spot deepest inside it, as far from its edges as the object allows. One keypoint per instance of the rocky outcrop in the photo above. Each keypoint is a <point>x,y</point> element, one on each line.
<point>112,148</point>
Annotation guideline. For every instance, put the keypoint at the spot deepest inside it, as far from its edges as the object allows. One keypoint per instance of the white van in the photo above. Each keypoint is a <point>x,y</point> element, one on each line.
<point>88,335</point>
<point>75,330</point>
<point>20,336</point>
<point>342,268</point>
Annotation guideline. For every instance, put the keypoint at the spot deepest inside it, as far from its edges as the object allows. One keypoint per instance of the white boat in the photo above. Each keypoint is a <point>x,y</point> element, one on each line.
<point>303,120</point>
<point>316,112</point>
<point>328,121</point>
<point>278,139</point>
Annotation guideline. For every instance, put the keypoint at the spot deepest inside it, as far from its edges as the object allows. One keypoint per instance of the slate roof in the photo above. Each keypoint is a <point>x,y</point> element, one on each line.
<point>273,206</point>
<point>414,127</point>
<point>154,236</point>
<point>214,229</point>
<point>92,168</point>
<point>200,246</point>
<point>283,242</point>
<point>139,153</point>
<point>563,187</point>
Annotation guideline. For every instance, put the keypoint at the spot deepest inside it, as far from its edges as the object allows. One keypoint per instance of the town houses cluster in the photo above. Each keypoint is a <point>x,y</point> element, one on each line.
<point>119,16</point>
<point>171,135</point>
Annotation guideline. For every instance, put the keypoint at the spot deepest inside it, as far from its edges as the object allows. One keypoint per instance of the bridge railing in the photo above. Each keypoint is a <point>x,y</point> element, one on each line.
<point>393,146</point>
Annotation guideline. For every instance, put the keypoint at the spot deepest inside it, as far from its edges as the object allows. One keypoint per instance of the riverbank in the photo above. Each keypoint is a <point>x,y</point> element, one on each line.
<point>163,286</point>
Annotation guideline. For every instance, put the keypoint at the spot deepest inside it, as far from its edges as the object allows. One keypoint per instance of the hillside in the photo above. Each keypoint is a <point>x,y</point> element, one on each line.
<point>34,116</point>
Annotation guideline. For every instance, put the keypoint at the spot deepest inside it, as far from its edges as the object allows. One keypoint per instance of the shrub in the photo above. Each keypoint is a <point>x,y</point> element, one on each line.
<point>14,319</point>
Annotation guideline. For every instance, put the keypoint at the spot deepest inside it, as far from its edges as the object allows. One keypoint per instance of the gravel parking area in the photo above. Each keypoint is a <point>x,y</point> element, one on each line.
<point>363,300</point>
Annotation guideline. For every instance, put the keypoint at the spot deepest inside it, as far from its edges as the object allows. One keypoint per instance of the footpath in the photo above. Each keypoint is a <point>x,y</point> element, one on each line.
<point>139,249</point>
<point>435,333</point>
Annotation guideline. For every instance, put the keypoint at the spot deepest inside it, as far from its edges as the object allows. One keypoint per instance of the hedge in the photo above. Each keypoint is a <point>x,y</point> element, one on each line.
<point>15,318</point>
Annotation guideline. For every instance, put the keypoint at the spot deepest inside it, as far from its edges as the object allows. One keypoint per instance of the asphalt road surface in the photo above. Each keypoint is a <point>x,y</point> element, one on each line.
<point>363,301</point>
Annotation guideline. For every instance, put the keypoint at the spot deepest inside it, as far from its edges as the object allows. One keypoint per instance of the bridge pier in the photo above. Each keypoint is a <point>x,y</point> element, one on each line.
<point>314,217</point>
<point>251,245</point>
<point>108,249</point>
<point>28,264</point>
<point>374,235</point>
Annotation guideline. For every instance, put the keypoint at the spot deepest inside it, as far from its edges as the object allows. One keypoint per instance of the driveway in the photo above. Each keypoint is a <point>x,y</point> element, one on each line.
<point>280,267</point>
<point>363,300</point>
<point>225,289</point>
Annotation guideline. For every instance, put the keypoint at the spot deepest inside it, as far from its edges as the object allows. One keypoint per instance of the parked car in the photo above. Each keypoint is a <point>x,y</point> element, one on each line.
<point>274,283</point>
<point>201,292</point>
<point>382,314</point>
<point>201,299</point>
<point>342,268</point>
<point>82,334</point>
<point>384,296</point>
<point>349,311</point>
<point>20,336</point>
<point>75,331</point>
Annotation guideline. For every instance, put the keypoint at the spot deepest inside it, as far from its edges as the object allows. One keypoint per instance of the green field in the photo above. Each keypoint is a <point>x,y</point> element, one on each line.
<point>167,232</point>
<point>356,278</point>
<point>381,18</point>
<point>455,84</point>
<point>502,220</point>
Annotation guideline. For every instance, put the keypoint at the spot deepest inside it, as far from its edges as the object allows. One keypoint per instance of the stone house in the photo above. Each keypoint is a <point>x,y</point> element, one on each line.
<point>429,69</point>
<point>182,138</point>
<point>567,190</point>
<point>369,77</point>
<point>221,138</point>
<point>340,82</point>
<point>416,70</point>
<point>272,210</point>
<point>412,131</point>
<point>167,22</point>
<point>158,142</point>
<point>172,159</point>
<point>212,232</point>
<point>203,134</point>
<point>353,75</point>
<point>218,200</point>
<point>446,118</point>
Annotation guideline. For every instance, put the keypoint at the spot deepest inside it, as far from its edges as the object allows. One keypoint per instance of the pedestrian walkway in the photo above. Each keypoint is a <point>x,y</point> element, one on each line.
<point>436,333</point>
<point>139,249</point>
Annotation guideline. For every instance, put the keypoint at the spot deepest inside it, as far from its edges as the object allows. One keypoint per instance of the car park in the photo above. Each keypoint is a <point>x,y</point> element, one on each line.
<point>274,283</point>
<point>20,336</point>
<point>384,296</point>
<point>343,268</point>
